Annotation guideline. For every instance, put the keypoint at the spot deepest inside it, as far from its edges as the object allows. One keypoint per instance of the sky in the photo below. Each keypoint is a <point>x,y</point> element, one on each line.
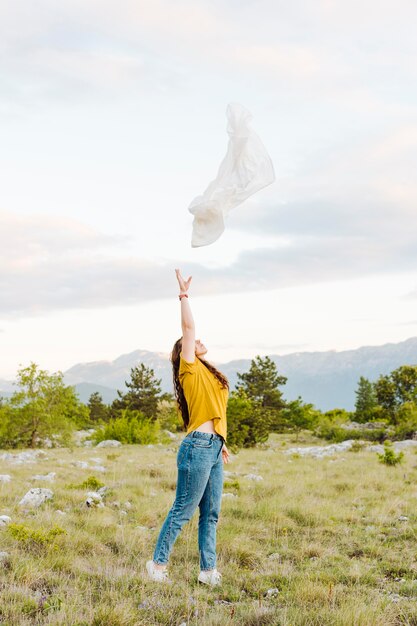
<point>112,119</point>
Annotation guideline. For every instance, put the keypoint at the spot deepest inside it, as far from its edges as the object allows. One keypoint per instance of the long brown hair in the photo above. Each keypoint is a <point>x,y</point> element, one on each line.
<point>178,390</point>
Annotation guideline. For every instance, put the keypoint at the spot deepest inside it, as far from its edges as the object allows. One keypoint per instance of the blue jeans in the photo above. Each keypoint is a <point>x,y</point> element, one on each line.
<point>200,483</point>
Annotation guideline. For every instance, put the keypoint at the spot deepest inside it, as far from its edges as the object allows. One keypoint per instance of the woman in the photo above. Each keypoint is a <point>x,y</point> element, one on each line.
<point>201,392</point>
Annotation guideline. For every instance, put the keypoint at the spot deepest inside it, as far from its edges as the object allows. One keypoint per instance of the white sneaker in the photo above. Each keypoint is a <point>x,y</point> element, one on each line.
<point>157,575</point>
<point>212,577</point>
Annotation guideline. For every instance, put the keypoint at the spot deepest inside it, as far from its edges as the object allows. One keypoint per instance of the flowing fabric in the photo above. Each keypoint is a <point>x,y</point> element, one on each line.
<point>245,169</point>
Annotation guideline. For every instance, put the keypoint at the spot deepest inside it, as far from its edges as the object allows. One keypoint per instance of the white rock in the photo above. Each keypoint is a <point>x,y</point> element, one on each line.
<point>96,459</point>
<point>403,518</point>
<point>229,474</point>
<point>395,597</point>
<point>253,477</point>
<point>271,593</point>
<point>171,435</point>
<point>36,496</point>
<point>109,443</point>
<point>95,494</point>
<point>127,505</point>
<point>98,468</point>
<point>5,478</point>
<point>82,464</point>
<point>3,556</point>
<point>322,451</point>
<point>4,520</point>
<point>94,499</point>
<point>81,437</point>
<point>407,443</point>
<point>49,477</point>
<point>27,456</point>
<point>59,512</point>
<point>229,495</point>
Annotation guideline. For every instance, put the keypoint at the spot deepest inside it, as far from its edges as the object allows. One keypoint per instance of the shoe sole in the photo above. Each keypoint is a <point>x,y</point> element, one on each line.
<point>148,566</point>
<point>203,582</point>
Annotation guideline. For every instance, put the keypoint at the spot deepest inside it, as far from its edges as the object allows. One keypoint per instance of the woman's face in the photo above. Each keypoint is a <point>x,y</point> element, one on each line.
<point>200,348</point>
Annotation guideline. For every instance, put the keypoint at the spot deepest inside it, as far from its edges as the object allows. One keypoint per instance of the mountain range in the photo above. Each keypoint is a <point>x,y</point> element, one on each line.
<point>326,379</point>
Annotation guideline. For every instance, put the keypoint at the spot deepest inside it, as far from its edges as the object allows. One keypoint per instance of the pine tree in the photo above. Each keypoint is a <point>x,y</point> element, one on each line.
<point>99,412</point>
<point>144,392</point>
<point>366,401</point>
<point>261,383</point>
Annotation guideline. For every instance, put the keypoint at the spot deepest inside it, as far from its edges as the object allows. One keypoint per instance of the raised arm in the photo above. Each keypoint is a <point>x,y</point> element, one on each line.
<point>187,321</point>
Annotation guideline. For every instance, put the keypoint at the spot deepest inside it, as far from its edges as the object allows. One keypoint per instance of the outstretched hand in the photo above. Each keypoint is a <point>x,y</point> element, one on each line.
<point>184,284</point>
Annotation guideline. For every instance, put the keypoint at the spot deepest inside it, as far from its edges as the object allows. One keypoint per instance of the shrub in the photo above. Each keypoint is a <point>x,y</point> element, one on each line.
<point>356,446</point>
<point>247,423</point>
<point>130,427</point>
<point>89,483</point>
<point>33,536</point>
<point>407,421</point>
<point>328,425</point>
<point>168,416</point>
<point>389,457</point>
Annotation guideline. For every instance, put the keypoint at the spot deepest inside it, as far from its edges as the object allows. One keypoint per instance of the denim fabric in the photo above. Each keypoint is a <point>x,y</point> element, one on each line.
<point>200,483</point>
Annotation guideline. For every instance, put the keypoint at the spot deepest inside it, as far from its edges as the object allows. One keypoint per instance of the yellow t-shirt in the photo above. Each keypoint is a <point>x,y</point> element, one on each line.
<point>206,399</point>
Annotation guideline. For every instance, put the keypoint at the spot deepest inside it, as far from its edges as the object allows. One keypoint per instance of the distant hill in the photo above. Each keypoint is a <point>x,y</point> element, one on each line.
<point>6,388</point>
<point>327,379</point>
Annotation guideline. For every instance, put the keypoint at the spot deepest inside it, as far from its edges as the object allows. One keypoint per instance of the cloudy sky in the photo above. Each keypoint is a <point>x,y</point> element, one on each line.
<point>112,119</point>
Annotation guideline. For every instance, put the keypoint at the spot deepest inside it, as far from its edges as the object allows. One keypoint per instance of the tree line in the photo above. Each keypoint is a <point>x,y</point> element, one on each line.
<point>44,408</point>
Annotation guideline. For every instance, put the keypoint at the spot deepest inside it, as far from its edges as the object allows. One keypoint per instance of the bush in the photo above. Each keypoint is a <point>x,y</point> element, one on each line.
<point>32,536</point>
<point>389,457</point>
<point>168,416</point>
<point>336,426</point>
<point>247,424</point>
<point>91,482</point>
<point>329,426</point>
<point>130,427</point>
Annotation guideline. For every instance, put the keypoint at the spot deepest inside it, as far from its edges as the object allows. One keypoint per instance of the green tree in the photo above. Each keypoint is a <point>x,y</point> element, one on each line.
<point>261,385</point>
<point>144,392</point>
<point>299,416</point>
<point>247,424</point>
<point>405,381</point>
<point>366,401</point>
<point>396,389</point>
<point>43,407</point>
<point>386,397</point>
<point>98,411</point>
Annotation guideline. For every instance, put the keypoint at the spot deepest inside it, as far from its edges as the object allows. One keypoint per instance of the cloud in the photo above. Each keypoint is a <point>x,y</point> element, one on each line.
<point>85,48</point>
<point>348,212</point>
<point>51,264</point>
<point>412,295</point>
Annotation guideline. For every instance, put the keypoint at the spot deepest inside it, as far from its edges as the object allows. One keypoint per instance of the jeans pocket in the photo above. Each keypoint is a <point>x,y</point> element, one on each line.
<point>203,443</point>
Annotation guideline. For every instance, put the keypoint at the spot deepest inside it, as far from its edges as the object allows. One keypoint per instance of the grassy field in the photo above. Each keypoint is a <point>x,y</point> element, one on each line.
<point>323,535</point>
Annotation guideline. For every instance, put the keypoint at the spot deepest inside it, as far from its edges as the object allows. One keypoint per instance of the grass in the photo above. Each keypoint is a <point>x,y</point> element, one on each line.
<point>324,532</point>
